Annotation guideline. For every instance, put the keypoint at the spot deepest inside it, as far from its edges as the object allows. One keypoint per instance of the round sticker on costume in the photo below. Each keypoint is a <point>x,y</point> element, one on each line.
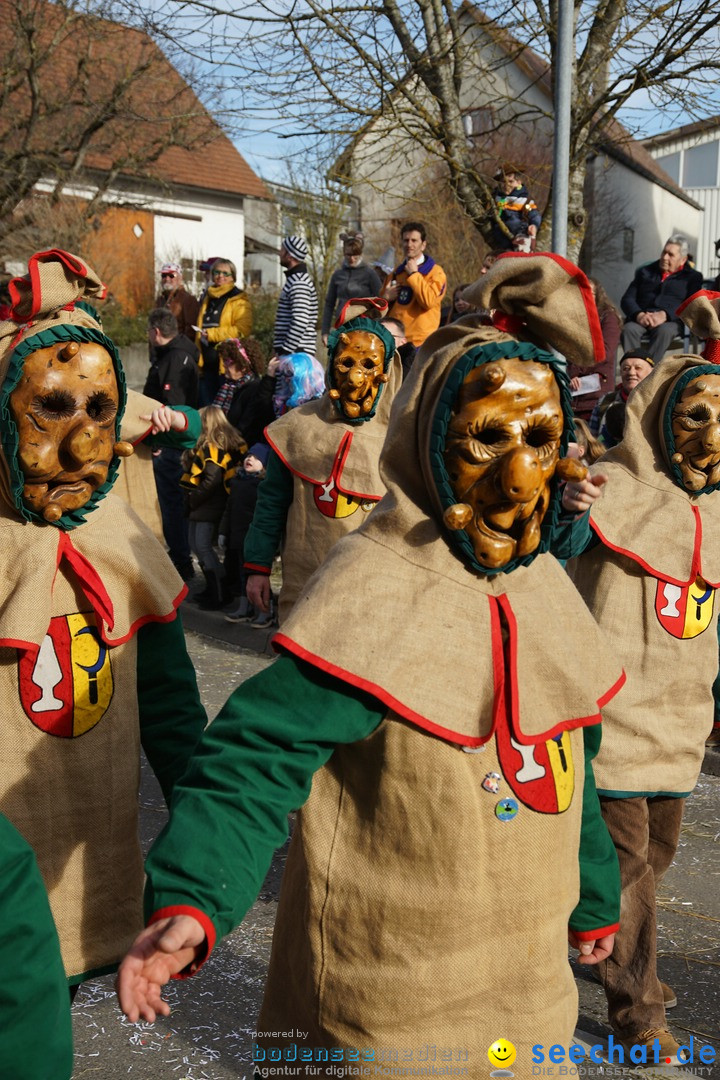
<point>405,294</point>
<point>492,782</point>
<point>506,810</point>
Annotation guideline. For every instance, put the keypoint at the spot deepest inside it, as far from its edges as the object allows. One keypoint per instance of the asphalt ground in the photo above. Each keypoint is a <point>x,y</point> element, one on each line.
<point>209,1034</point>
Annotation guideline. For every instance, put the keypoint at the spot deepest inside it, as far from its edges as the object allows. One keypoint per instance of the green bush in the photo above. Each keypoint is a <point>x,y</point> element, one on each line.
<point>123,329</point>
<point>264,304</point>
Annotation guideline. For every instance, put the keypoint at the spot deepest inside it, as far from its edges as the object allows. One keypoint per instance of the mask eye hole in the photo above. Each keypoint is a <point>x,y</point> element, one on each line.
<point>101,408</point>
<point>57,405</point>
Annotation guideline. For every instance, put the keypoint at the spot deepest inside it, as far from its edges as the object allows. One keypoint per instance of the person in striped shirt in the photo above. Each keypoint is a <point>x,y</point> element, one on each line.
<point>297,313</point>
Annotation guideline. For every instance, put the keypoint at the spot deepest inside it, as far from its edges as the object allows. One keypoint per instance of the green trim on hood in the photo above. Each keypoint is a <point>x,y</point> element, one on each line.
<point>372,326</point>
<point>9,436</point>
<point>666,423</point>
<point>484,354</point>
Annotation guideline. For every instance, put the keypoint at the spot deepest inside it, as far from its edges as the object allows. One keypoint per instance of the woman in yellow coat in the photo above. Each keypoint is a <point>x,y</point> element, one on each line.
<point>225,312</point>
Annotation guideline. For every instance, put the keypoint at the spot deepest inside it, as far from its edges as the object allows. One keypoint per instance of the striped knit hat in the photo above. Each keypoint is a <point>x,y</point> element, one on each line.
<point>296,246</point>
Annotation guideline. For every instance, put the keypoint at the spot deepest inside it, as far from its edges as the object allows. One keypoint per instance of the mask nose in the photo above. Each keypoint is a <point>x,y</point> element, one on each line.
<point>82,443</point>
<point>520,475</point>
<point>711,438</point>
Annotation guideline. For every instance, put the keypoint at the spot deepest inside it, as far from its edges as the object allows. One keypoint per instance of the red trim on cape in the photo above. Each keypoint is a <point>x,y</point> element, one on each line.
<point>585,291</point>
<point>593,935</point>
<point>266,570</point>
<point>282,641</point>
<point>31,646</point>
<point>509,324</point>
<point>205,948</point>
<point>376,307</point>
<point>701,292</point>
<point>338,464</point>
<point>170,616</point>
<point>696,565</point>
<point>88,579</point>
<point>498,662</point>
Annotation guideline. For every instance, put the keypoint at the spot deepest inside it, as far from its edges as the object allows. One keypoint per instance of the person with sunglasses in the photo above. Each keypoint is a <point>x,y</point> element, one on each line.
<point>174,296</point>
<point>225,313</point>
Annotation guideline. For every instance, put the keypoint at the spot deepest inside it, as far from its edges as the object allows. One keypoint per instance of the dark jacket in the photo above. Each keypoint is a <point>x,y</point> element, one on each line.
<point>648,292</point>
<point>240,508</point>
<point>346,282</point>
<point>252,410</point>
<point>173,375</point>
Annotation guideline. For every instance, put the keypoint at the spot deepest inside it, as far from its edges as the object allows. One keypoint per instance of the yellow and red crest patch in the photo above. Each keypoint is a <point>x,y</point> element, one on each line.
<point>684,611</point>
<point>66,687</point>
<point>542,774</point>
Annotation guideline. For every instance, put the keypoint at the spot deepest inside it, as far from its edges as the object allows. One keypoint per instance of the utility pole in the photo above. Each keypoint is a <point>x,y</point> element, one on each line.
<point>561,147</point>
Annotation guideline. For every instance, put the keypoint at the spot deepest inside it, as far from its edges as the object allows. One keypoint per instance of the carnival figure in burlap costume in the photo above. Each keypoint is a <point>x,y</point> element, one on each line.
<point>650,576</point>
<point>323,471</point>
<point>425,690</point>
<point>88,627</point>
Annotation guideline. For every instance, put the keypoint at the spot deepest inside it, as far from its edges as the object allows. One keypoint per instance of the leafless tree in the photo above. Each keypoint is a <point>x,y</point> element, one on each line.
<point>86,102</point>
<point>329,68</point>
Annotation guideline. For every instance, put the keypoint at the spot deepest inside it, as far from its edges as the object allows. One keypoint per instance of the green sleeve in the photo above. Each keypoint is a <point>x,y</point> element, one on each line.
<point>182,440</point>
<point>267,528</point>
<point>254,765</point>
<point>599,906</point>
<point>172,717</point>
<point>572,536</point>
<point>34,1000</point>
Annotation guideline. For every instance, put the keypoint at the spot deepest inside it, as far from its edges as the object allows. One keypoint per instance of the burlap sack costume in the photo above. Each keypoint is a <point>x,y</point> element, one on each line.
<point>77,593</point>
<point>396,924</point>
<point>651,584</point>
<point>334,464</point>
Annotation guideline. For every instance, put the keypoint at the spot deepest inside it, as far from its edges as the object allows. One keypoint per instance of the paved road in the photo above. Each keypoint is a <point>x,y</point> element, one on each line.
<point>208,1035</point>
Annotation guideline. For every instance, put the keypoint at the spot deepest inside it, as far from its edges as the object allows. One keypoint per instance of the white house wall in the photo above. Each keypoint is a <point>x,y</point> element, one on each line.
<point>623,199</point>
<point>708,197</point>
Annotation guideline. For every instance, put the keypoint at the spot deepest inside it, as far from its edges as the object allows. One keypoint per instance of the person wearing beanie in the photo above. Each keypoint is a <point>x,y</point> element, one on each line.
<point>426,715</point>
<point>90,610</point>
<point>297,311</point>
<point>353,278</point>
<point>322,474</point>
<point>635,366</point>
<point>649,574</point>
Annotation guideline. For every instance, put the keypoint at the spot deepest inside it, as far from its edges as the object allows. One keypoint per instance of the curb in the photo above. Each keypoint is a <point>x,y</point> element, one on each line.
<point>213,624</point>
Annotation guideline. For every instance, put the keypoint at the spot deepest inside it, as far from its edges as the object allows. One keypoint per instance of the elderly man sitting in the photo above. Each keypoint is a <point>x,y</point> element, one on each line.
<point>652,299</point>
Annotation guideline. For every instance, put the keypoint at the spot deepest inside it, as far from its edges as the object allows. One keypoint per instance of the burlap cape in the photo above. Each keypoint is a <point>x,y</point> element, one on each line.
<point>409,596</point>
<point>96,576</point>
<point>655,540</point>
<point>318,446</point>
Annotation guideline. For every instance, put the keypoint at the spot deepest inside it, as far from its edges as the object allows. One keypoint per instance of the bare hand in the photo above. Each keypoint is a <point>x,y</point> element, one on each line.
<point>656,318</point>
<point>411,266</point>
<point>390,292</point>
<point>592,952</point>
<point>579,495</point>
<point>257,588</point>
<point>166,419</point>
<point>273,365</point>
<point>575,383</point>
<point>159,952</point>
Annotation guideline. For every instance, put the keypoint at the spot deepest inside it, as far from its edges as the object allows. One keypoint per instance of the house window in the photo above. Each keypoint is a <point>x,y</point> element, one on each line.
<point>138,230</point>
<point>700,167</point>
<point>253,279</point>
<point>478,122</point>
<point>628,242</point>
<point>671,164</point>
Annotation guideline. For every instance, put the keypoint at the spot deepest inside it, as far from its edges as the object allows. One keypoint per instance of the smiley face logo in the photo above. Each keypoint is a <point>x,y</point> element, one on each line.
<point>502,1054</point>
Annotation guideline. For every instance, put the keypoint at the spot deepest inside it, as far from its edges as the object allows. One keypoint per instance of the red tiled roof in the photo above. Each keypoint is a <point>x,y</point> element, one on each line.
<point>159,129</point>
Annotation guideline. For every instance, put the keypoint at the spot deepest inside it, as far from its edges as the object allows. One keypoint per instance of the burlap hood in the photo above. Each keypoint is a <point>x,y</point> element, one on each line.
<point>645,501</point>
<point>109,559</point>
<point>401,590</point>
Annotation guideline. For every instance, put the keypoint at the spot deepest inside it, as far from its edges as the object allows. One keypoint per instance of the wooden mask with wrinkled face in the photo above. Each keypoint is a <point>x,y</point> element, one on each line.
<point>358,372</point>
<point>696,430</point>
<point>501,452</point>
<point>65,407</point>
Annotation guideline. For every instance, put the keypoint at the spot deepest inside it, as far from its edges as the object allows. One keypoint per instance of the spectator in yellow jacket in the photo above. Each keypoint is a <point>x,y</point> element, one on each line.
<point>416,287</point>
<point>224,313</point>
